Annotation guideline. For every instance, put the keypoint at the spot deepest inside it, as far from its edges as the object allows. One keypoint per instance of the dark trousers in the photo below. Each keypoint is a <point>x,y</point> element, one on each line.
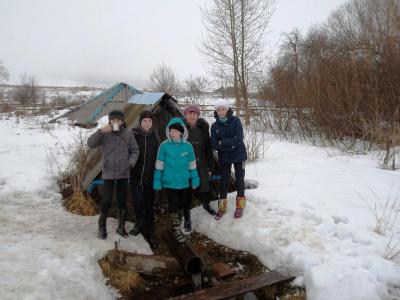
<point>121,186</point>
<point>226,175</point>
<point>204,197</point>
<point>143,205</point>
<point>177,199</point>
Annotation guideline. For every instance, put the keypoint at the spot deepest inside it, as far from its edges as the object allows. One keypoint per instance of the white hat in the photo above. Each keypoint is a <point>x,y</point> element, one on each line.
<point>222,103</point>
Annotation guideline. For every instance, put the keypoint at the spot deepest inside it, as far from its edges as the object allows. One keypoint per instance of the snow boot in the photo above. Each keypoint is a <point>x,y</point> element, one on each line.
<point>187,225</point>
<point>121,223</point>
<point>137,228</point>
<point>222,203</point>
<point>205,200</point>
<point>240,205</point>
<point>151,239</point>
<point>209,209</point>
<point>176,231</point>
<point>102,232</point>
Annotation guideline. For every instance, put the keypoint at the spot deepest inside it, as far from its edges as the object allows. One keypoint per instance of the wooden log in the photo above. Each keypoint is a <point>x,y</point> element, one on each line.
<point>236,288</point>
<point>156,265</point>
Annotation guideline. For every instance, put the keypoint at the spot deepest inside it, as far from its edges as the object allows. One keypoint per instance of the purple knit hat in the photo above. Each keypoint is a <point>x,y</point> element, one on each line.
<point>191,108</point>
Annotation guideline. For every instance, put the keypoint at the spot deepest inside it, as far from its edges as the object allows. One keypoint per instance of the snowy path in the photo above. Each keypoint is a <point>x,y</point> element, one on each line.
<point>308,218</point>
<point>46,252</point>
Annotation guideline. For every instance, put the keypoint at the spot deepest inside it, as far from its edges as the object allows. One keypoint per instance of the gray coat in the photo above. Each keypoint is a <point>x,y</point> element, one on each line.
<point>119,152</point>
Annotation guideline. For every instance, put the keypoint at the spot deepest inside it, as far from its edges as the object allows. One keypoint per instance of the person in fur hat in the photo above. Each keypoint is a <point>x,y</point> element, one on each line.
<point>199,137</point>
<point>227,140</point>
<point>142,176</point>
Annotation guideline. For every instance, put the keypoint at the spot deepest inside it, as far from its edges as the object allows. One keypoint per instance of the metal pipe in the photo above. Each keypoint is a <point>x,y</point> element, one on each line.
<point>190,261</point>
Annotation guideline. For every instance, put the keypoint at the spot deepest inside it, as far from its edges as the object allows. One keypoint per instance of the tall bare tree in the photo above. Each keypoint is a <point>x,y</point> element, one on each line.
<point>195,85</point>
<point>163,79</point>
<point>27,92</point>
<point>235,32</point>
<point>4,75</point>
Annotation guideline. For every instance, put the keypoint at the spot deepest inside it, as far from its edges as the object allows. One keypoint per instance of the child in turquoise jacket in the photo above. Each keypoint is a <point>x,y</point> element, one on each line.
<point>175,171</point>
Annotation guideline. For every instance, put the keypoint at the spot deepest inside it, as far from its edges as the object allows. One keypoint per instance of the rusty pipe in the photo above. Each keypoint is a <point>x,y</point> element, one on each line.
<point>190,261</point>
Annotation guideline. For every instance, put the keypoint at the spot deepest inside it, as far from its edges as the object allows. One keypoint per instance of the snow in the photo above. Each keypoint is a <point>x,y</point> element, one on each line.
<point>45,251</point>
<point>309,217</point>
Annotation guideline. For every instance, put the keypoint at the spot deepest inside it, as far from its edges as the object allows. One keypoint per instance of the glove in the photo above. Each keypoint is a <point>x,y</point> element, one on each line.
<point>157,186</point>
<point>195,182</point>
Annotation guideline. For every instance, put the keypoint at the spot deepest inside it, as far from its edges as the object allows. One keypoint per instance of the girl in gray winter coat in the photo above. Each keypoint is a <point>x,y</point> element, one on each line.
<point>119,154</point>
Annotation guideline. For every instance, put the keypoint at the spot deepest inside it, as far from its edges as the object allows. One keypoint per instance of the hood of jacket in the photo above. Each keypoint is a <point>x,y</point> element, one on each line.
<point>177,121</point>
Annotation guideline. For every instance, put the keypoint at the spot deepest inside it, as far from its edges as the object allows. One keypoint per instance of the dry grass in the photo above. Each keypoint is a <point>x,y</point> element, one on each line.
<point>80,204</point>
<point>124,281</point>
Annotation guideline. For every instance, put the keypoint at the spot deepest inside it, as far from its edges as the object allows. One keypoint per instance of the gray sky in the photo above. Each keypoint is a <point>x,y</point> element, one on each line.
<point>100,42</point>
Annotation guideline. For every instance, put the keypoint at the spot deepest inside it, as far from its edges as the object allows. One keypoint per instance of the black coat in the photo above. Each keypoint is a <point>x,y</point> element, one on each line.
<point>199,137</point>
<point>143,172</point>
<point>227,139</point>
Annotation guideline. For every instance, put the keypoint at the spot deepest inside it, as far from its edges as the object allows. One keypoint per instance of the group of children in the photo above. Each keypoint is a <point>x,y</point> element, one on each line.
<point>181,166</point>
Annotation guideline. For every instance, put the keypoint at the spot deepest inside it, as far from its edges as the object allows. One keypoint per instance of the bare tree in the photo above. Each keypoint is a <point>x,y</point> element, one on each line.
<point>163,79</point>
<point>195,86</point>
<point>27,92</point>
<point>4,75</point>
<point>235,36</point>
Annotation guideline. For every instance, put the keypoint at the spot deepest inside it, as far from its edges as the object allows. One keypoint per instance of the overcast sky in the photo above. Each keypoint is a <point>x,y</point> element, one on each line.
<point>100,42</point>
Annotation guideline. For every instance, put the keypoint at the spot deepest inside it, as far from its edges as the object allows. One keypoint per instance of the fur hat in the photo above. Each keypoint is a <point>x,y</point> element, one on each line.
<point>191,108</point>
<point>116,114</point>
<point>146,114</point>
<point>177,126</point>
<point>222,103</point>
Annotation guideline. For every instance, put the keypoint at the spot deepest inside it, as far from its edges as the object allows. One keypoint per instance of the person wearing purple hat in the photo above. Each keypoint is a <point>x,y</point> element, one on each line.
<point>199,137</point>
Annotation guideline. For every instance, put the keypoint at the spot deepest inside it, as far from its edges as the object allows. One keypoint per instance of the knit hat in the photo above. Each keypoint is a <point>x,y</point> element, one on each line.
<point>222,103</point>
<point>191,108</point>
<point>116,114</point>
<point>177,126</point>
<point>146,114</point>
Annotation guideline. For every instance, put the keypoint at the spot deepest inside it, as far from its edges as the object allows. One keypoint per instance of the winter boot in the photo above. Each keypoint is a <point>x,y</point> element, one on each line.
<point>209,209</point>
<point>137,228</point>
<point>121,223</point>
<point>187,224</point>
<point>222,203</point>
<point>151,239</point>
<point>177,233</point>
<point>240,205</point>
<point>205,199</point>
<point>102,232</point>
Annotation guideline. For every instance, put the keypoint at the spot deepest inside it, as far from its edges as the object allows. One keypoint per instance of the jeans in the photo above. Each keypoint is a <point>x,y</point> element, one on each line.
<point>143,205</point>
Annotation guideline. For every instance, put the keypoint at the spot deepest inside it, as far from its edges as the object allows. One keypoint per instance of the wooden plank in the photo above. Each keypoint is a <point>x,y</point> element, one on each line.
<point>237,288</point>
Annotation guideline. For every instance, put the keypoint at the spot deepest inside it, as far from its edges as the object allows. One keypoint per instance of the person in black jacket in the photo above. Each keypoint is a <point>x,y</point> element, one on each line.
<point>142,176</point>
<point>199,137</point>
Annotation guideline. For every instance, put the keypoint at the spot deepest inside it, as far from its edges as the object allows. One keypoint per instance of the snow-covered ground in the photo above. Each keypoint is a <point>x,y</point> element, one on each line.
<point>308,217</point>
<point>45,251</point>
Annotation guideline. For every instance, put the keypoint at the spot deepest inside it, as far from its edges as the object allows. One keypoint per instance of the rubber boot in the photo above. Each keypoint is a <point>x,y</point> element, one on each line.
<point>240,205</point>
<point>137,228</point>
<point>121,223</point>
<point>222,203</point>
<point>177,233</point>
<point>102,232</point>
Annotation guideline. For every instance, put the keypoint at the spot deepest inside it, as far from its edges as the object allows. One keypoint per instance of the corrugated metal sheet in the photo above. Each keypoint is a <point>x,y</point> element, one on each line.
<point>146,98</point>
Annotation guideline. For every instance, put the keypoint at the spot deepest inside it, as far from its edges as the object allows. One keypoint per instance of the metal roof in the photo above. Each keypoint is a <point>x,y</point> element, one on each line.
<point>148,98</point>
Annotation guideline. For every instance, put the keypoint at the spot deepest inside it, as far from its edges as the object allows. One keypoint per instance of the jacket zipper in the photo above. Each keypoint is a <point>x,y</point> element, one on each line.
<point>144,159</point>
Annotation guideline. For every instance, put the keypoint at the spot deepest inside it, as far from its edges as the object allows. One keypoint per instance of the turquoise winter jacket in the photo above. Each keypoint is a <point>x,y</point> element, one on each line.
<point>176,162</point>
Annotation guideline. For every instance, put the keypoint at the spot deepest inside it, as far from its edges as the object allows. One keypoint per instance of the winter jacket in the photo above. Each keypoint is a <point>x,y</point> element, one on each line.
<point>199,137</point>
<point>176,162</point>
<point>119,152</point>
<point>227,139</point>
<point>143,172</point>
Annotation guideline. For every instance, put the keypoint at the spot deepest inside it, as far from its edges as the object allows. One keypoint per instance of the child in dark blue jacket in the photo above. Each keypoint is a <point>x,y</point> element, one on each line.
<point>227,140</point>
